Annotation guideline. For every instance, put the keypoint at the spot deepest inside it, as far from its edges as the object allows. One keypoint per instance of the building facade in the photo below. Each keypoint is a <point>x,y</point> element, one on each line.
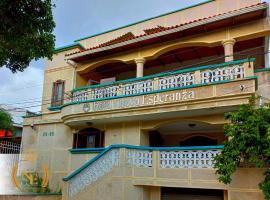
<point>138,112</point>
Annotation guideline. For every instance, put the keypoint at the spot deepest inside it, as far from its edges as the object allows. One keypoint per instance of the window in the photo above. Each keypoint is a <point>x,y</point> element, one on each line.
<point>88,138</point>
<point>58,93</point>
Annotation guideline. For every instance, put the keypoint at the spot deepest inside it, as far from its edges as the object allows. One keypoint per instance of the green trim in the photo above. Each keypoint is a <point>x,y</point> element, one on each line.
<point>86,150</point>
<point>168,13</point>
<point>118,146</point>
<point>68,47</point>
<point>157,91</point>
<point>262,70</point>
<point>54,108</point>
<point>167,74</point>
<point>33,115</point>
<point>160,75</point>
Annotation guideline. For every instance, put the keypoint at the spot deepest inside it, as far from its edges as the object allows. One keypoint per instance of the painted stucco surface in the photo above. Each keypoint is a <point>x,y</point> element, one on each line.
<point>50,135</point>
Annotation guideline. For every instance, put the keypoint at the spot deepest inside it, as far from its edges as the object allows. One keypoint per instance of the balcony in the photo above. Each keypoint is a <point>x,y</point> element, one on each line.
<point>226,84</point>
<point>147,164</point>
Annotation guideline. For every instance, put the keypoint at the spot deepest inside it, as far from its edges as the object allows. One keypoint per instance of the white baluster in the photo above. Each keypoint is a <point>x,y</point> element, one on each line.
<point>140,158</point>
<point>187,159</point>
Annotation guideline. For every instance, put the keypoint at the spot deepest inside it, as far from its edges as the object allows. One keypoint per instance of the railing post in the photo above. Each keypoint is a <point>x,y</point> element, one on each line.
<point>122,157</point>
<point>197,77</point>
<point>120,90</point>
<point>155,161</point>
<point>249,69</point>
<point>156,84</point>
<point>90,94</point>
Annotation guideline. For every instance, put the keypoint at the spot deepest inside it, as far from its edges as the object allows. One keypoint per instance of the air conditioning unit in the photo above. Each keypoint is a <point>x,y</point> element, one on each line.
<point>107,80</point>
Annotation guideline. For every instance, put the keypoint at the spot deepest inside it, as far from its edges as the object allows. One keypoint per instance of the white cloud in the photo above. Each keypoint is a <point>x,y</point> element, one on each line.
<point>21,87</point>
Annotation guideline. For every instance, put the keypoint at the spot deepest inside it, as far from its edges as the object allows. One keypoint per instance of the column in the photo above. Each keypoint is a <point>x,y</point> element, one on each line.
<point>74,75</point>
<point>140,63</point>
<point>228,49</point>
<point>266,49</point>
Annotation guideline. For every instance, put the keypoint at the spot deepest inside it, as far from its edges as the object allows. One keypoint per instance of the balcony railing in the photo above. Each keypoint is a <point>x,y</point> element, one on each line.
<point>164,81</point>
<point>142,157</point>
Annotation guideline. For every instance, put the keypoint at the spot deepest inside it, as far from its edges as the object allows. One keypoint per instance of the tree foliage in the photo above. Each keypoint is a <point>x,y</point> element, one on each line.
<point>25,32</point>
<point>248,142</point>
<point>5,120</point>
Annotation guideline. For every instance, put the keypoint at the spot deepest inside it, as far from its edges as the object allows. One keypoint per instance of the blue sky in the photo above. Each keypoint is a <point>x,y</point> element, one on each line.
<point>88,17</point>
<point>74,20</point>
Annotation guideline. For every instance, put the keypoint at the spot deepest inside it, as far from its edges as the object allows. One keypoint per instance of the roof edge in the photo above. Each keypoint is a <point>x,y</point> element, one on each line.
<point>68,47</point>
<point>131,24</point>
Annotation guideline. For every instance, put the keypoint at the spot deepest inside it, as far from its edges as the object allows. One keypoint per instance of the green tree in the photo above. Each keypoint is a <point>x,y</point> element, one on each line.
<point>5,120</point>
<point>25,32</point>
<point>248,143</point>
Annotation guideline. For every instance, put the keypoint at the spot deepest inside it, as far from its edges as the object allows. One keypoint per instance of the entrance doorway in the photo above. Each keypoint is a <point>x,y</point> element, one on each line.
<point>190,194</point>
<point>187,133</point>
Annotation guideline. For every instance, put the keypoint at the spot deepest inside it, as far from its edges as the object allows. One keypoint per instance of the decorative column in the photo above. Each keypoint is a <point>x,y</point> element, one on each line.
<point>228,49</point>
<point>140,63</point>
<point>74,76</point>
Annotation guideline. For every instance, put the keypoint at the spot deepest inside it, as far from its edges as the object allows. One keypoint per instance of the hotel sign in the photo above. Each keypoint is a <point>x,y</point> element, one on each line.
<point>140,101</point>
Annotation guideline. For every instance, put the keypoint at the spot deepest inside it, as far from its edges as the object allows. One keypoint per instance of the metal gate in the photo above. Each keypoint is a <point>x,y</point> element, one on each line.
<point>9,157</point>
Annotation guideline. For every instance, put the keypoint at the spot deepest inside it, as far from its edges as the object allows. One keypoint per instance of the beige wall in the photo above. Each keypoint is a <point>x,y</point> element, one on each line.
<point>51,76</point>
<point>264,86</point>
<point>49,143</point>
<point>58,59</point>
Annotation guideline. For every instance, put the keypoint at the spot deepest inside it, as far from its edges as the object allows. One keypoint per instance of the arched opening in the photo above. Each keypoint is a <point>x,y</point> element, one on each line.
<point>175,57</point>
<point>172,58</point>
<point>88,138</point>
<point>183,57</point>
<point>198,141</point>
<point>109,72</point>
<point>187,133</point>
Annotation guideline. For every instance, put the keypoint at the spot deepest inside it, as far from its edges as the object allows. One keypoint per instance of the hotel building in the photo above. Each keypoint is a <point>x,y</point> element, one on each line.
<point>138,112</point>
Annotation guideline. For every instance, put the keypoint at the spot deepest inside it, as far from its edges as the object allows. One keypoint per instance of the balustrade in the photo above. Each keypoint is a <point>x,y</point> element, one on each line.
<point>220,74</point>
<point>175,81</point>
<point>139,158</point>
<point>143,158</point>
<point>138,87</point>
<point>163,82</point>
<point>81,95</point>
<point>187,159</point>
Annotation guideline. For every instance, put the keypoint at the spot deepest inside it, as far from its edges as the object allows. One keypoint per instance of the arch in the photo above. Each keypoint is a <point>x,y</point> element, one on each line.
<point>97,64</point>
<point>164,123</point>
<point>199,135</point>
<point>165,49</point>
<point>198,140</point>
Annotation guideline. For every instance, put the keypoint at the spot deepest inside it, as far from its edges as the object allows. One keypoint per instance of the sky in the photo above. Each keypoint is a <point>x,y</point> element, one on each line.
<point>75,20</point>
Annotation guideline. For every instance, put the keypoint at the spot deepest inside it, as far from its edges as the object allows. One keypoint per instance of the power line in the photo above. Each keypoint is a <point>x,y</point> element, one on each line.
<point>23,88</point>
